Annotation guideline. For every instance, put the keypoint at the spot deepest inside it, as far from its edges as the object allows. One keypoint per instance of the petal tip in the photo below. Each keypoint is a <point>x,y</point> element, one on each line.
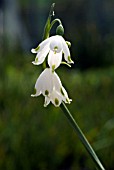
<point>32,95</point>
<point>34,62</point>
<point>33,51</point>
<point>72,62</point>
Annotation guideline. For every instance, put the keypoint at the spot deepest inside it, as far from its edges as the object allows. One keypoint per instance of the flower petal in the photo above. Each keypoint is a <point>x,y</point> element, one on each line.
<point>33,50</point>
<point>37,93</point>
<point>56,98</point>
<point>65,97</point>
<point>47,101</point>
<point>66,51</point>
<point>54,59</point>
<point>41,55</point>
<point>56,82</point>
<point>44,43</point>
<point>40,46</point>
<point>55,44</point>
<point>44,83</point>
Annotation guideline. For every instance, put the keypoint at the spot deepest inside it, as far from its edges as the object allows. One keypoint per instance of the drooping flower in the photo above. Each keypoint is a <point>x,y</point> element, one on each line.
<point>49,84</point>
<point>53,47</point>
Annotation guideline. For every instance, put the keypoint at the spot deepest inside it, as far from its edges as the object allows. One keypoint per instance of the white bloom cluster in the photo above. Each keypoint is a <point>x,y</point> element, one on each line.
<point>48,83</point>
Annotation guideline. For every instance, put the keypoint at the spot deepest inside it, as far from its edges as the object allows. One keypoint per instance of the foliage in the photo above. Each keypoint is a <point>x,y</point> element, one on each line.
<point>34,137</point>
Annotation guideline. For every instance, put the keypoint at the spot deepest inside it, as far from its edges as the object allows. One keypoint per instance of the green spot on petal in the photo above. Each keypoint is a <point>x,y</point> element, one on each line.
<point>55,48</point>
<point>62,91</point>
<point>68,43</point>
<point>46,92</point>
<point>69,59</point>
<point>67,100</point>
<point>53,68</point>
<point>36,60</point>
<point>56,102</point>
<point>37,48</point>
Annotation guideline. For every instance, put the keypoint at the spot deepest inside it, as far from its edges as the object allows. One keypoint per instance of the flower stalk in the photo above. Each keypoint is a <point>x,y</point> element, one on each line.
<point>54,21</point>
<point>81,136</point>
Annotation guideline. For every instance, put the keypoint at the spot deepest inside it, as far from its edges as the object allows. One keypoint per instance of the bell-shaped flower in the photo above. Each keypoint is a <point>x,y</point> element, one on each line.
<point>49,84</point>
<point>53,47</point>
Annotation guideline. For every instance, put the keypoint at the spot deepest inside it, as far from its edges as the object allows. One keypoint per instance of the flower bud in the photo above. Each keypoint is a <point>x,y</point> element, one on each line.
<point>60,30</point>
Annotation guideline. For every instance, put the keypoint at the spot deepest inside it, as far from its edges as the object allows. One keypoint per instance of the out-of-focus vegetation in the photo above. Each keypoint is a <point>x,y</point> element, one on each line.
<point>36,138</point>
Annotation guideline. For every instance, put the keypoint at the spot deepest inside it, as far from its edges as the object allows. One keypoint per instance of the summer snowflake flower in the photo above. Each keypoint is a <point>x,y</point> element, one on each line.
<point>49,84</point>
<point>54,47</point>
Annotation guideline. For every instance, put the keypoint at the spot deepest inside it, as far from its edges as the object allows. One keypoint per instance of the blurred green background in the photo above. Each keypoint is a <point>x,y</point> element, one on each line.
<point>36,138</point>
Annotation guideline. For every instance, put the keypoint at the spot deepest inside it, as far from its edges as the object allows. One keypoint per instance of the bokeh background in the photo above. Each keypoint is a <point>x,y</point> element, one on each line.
<point>36,138</point>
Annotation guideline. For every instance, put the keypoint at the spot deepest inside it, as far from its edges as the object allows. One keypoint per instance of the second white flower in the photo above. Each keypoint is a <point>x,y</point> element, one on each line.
<point>49,84</point>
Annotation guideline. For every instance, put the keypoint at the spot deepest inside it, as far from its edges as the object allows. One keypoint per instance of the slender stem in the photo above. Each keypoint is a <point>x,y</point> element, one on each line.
<point>82,137</point>
<point>54,21</point>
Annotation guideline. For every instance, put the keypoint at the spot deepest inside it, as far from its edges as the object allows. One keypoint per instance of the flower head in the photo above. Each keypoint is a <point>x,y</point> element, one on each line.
<point>49,84</point>
<point>53,47</point>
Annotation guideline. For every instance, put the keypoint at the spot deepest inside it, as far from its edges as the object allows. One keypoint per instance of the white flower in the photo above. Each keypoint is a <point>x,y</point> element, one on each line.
<point>49,84</point>
<point>54,47</point>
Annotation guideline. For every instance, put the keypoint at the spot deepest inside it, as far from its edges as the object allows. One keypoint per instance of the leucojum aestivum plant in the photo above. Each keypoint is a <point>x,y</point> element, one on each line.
<point>50,53</point>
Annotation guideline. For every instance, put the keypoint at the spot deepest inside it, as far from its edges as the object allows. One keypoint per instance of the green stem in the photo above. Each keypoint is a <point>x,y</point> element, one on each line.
<point>82,137</point>
<point>54,21</point>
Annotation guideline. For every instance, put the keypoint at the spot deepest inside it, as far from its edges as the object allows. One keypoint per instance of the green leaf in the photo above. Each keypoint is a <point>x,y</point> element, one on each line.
<point>48,22</point>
